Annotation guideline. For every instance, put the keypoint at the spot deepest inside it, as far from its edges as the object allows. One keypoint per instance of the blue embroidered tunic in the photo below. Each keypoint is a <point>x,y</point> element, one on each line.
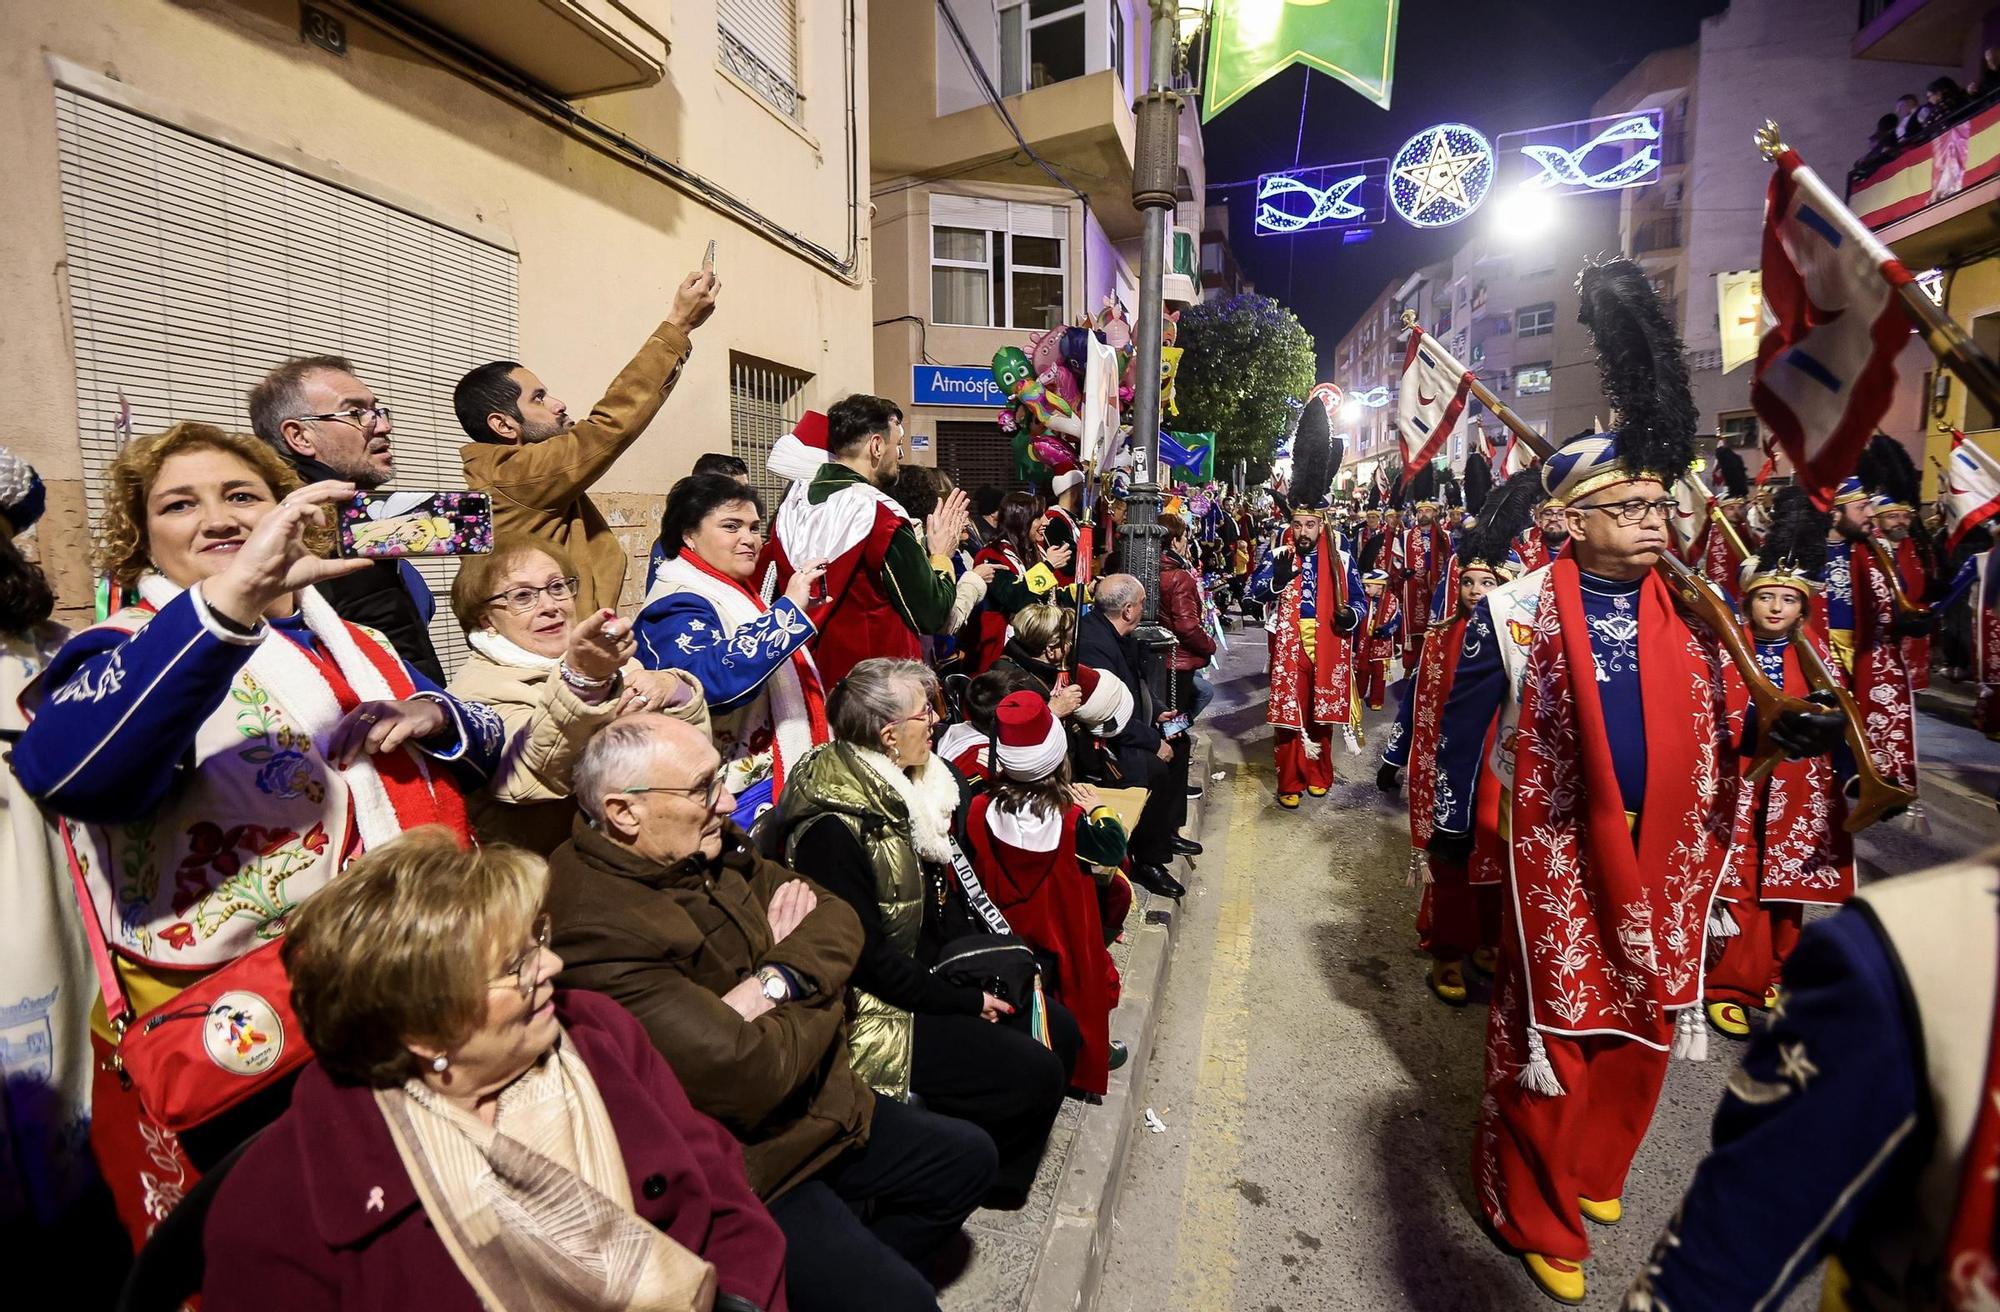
<point>122,711</point>
<point>1839,587</point>
<point>682,631</point>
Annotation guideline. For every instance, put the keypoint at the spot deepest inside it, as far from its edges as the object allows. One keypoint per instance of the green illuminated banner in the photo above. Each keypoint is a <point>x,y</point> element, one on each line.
<point>1249,40</point>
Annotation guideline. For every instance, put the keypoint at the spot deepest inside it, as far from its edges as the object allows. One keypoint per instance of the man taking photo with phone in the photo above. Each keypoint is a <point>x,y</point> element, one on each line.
<point>538,464</point>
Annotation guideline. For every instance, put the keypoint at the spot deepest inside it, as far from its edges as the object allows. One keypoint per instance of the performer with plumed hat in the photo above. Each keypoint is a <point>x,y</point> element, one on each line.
<point>1789,850</point>
<point>1865,625</point>
<point>1714,550</point>
<point>1419,553</point>
<point>1314,599</point>
<point>1614,750</point>
<point>1459,915</point>
<point>1894,490</point>
<point>1378,646</point>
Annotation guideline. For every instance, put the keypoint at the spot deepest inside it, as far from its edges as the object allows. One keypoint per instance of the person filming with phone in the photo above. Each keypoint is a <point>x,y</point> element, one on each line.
<point>704,615</point>
<point>217,753</point>
<point>538,464</point>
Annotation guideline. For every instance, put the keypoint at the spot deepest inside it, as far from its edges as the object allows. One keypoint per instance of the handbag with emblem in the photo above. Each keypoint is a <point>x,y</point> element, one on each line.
<point>226,1037</point>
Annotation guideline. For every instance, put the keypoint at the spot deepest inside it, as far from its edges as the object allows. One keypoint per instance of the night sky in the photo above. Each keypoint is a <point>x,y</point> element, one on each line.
<point>1498,65</point>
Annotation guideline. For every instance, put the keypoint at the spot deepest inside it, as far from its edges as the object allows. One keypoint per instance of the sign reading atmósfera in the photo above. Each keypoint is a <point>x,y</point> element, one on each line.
<point>955,384</point>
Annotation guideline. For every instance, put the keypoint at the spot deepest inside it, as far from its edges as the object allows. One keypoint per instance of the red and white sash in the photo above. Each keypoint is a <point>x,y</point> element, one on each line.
<point>1324,692</point>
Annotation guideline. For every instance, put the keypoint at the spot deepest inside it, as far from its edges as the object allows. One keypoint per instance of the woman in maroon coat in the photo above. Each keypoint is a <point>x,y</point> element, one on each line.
<point>468,1137</point>
<point>1182,611</point>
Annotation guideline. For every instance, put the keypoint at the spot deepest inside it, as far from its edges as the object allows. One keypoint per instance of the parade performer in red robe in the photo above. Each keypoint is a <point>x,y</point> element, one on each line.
<point>1865,625</point>
<point>1314,600</point>
<point>1789,850</point>
<point>1895,487</point>
<point>1613,746</point>
<point>1418,555</point>
<point>1714,551</point>
<point>1378,648</point>
<point>1542,541</point>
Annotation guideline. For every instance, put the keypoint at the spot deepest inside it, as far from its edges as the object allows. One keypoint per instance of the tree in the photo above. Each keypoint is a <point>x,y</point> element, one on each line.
<point>1248,366</point>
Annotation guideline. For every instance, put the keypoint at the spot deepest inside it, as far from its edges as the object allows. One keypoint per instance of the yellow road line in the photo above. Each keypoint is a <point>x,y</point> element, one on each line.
<point>1211,1215</point>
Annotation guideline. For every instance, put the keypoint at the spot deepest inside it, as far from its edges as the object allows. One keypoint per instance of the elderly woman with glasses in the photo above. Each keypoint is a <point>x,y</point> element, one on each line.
<point>468,1135</point>
<point>218,749</point>
<point>873,814</point>
<point>554,680</point>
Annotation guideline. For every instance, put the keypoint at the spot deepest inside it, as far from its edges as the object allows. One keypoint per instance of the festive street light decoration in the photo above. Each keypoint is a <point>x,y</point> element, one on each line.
<point>1441,175</point>
<point>1595,154</point>
<point>1330,196</point>
<point>1374,398</point>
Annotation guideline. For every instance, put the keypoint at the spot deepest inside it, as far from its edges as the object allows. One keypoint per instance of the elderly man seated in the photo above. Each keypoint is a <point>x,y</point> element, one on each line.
<point>738,969</point>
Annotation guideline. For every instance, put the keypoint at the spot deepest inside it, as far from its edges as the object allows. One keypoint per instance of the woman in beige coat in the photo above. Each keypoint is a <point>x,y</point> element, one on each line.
<point>554,679</point>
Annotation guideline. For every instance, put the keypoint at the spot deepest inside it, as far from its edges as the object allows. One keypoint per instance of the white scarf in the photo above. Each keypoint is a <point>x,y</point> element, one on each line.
<point>299,688</point>
<point>505,651</point>
<point>930,796</point>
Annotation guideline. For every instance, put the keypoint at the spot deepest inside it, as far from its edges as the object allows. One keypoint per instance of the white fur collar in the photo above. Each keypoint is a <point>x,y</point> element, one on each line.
<point>930,795</point>
<point>505,651</point>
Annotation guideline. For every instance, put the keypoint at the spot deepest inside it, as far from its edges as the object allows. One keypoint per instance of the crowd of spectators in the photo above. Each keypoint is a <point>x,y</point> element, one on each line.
<point>1917,119</point>
<point>723,953</point>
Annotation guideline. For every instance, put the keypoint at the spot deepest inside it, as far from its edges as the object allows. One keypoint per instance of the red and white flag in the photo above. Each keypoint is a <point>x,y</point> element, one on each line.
<point>1971,489</point>
<point>1826,368</point>
<point>1431,400</point>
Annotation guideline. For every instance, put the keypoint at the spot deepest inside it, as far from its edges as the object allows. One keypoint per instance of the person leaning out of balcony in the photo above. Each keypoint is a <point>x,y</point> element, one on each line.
<point>219,751</point>
<point>469,1136</point>
<point>539,464</point>
<point>553,678</point>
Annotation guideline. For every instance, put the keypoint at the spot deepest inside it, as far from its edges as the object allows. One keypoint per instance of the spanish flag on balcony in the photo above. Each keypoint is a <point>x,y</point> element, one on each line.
<point>1249,40</point>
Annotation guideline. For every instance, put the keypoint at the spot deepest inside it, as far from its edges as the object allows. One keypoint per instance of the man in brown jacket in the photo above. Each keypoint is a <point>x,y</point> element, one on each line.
<point>738,969</point>
<point>538,464</point>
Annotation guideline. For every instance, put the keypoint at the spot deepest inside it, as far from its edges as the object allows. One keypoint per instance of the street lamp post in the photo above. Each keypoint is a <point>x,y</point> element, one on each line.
<point>1155,179</point>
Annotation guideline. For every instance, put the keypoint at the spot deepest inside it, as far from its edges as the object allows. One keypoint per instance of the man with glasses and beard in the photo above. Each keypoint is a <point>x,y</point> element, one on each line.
<point>886,585</point>
<point>328,424</point>
<point>539,464</point>
<point>738,968</point>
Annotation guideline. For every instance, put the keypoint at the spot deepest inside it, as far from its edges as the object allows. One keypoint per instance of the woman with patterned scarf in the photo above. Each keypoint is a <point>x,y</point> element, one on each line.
<point>220,749</point>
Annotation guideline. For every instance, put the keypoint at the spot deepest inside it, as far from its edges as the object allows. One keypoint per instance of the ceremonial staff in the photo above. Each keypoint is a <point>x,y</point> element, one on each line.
<point>1770,701</point>
<point>1878,794</point>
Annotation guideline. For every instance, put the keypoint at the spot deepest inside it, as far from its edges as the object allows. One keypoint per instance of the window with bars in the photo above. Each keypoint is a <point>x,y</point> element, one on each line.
<point>975,454</point>
<point>194,267</point>
<point>758,41</point>
<point>998,264</point>
<point>1535,320</point>
<point>765,400</point>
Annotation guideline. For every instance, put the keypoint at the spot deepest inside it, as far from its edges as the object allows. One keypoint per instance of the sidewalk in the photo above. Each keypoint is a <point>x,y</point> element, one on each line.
<point>1049,1255</point>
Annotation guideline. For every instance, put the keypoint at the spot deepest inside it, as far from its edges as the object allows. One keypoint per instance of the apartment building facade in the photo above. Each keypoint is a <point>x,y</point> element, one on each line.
<point>978,246</point>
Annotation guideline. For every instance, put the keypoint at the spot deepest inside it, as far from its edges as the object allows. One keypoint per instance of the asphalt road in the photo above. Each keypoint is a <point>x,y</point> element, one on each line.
<point>1319,1102</point>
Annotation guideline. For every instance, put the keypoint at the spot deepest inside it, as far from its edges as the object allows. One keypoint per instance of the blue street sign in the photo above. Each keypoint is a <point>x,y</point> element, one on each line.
<point>955,384</point>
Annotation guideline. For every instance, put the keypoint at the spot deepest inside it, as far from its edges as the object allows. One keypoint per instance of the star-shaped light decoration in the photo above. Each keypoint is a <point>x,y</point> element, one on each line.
<point>1441,175</point>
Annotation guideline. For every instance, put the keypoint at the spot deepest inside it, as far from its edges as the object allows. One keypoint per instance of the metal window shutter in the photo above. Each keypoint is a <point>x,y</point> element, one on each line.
<point>968,212</point>
<point>1038,220</point>
<point>194,267</point>
<point>768,27</point>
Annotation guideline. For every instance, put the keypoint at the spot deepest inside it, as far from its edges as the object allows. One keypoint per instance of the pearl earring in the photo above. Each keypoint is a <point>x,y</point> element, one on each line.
<point>439,1062</point>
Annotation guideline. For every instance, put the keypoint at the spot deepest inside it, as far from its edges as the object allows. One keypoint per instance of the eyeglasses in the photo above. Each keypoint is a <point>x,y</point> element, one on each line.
<point>524,971</point>
<point>523,600</point>
<point>363,417</point>
<point>711,790</point>
<point>933,710</point>
<point>1635,511</point>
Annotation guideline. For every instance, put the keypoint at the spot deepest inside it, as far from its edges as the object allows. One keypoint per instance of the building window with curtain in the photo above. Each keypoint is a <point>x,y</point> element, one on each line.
<point>996,264</point>
<point>758,41</point>
<point>1041,42</point>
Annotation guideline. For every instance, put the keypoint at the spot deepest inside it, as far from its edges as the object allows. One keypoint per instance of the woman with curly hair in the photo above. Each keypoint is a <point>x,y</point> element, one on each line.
<point>217,751</point>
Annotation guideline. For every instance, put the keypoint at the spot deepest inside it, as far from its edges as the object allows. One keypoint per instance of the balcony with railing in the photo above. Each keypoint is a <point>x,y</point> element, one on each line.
<point>1657,234</point>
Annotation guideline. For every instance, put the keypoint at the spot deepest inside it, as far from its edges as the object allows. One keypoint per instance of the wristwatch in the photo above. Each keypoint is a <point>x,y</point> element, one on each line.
<point>773,982</point>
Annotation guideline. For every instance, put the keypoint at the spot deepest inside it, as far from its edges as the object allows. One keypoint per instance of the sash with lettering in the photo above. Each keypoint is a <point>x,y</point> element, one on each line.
<point>1789,844</point>
<point>1720,564</point>
<point>1330,680</point>
<point>1881,679</point>
<point>1533,549</point>
<point>1612,923</point>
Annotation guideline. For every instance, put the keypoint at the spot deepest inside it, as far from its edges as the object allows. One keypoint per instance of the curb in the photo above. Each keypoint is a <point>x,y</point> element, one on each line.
<point>1071,1265</point>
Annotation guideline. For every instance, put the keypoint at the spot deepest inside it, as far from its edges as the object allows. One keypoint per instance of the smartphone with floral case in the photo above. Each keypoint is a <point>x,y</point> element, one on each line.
<point>386,525</point>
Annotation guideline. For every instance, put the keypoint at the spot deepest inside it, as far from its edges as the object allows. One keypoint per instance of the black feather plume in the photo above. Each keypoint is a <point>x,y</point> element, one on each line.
<point>1643,366</point>
<point>1421,487</point>
<point>1886,470</point>
<point>1507,514</point>
<point>1731,472</point>
<point>1371,551</point>
<point>1312,459</point>
<point>1478,480</point>
<point>1797,537</point>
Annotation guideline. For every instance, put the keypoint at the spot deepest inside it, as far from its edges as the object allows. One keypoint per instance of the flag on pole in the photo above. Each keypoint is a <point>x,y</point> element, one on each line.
<point>1190,453</point>
<point>1971,489</point>
<point>1430,400</point>
<point>1826,368</point>
<point>1250,40</point>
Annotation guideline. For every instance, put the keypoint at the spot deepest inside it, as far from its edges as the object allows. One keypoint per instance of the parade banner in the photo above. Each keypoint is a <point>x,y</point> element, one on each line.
<point>1353,42</point>
<point>1826,368</point>
<point>1971,489</point>
<point>1430,400</point>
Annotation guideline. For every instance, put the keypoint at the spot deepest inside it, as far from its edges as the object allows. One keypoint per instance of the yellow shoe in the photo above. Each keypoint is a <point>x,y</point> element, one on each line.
<point>1290,801</point>
<point>1605,1213</point>
<point>1485,960</point>
<point>1316,792</point>
<point>1728,1017</point>
<point>1447,980</point>
<point>1770,997</point>
<point>1560,1279</point>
